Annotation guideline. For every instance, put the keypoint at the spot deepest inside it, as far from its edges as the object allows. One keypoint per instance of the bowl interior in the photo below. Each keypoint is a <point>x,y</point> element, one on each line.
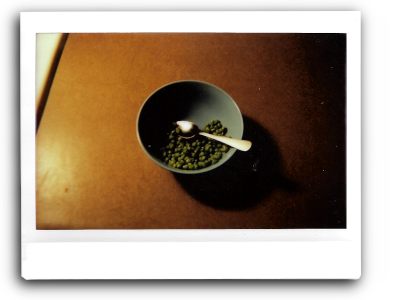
<point>195,101</point>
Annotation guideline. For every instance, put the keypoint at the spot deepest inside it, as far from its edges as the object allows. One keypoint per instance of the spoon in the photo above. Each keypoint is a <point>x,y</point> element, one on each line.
<point>190,130</point>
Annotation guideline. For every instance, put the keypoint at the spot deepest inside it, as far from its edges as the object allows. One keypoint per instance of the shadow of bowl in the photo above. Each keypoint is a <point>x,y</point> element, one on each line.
<point>244,180</point>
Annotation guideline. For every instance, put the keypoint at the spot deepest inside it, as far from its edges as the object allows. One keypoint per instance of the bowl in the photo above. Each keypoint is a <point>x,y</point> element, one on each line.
<point>190,100</point>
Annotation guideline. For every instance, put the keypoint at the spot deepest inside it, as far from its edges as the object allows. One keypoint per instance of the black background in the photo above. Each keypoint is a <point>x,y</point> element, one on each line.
<point>375,147</point>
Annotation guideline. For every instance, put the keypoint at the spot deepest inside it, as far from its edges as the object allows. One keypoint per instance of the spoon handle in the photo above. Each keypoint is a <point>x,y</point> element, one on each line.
<point>235,143</point>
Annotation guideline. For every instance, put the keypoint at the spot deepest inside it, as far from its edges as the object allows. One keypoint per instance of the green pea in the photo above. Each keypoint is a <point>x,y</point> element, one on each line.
<point>194,154</point>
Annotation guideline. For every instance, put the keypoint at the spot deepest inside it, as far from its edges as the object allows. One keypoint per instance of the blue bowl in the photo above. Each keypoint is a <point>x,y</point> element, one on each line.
<point>190,100</point>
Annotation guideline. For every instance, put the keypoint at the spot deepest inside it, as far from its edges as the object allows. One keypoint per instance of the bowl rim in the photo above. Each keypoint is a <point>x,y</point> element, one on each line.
<point>207,169</point>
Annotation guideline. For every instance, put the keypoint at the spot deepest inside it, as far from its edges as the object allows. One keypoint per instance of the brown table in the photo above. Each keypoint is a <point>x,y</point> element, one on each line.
<point>92,174</point>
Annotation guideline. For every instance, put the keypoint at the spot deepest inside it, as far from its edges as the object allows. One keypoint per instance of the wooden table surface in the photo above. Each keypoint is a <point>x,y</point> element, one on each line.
<point>92,174</point>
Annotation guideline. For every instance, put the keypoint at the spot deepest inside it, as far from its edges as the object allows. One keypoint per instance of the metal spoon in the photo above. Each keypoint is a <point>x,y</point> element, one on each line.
<point>190,130</point>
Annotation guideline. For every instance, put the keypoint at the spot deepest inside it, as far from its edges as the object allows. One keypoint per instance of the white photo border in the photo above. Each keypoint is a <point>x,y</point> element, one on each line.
<point>191,254</point>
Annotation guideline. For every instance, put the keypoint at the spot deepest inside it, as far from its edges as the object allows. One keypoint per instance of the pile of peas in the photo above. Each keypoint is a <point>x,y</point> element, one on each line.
<point>194,154</point>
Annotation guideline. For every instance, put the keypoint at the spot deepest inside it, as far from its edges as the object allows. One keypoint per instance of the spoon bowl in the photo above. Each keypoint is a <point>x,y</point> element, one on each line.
<point>188,129</point>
